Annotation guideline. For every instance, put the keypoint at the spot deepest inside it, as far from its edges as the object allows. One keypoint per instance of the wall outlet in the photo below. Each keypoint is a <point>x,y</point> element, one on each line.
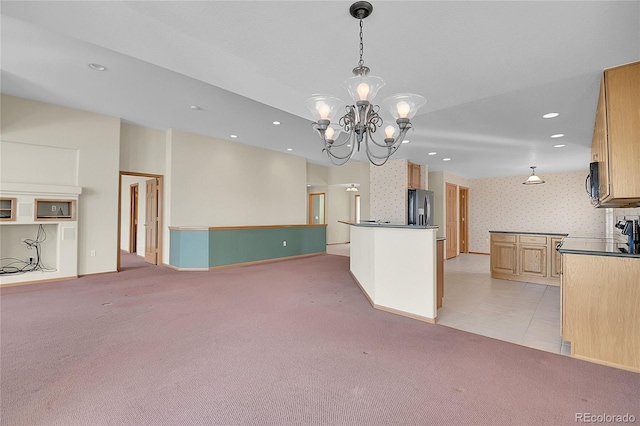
<point>93,253</point>
<point>284,244</point>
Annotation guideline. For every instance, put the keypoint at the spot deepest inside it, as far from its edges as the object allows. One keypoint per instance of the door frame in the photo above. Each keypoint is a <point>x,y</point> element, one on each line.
<point>463,229</point>
<point>310,207</point>
<point>160,240</point>
<point>356,208</point>
<point>133,215</point>
<point>449,246</point>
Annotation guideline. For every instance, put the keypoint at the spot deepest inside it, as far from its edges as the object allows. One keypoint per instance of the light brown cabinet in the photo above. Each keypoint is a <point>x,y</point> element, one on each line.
<point>616,134</point>
<point>439,272</point>
<point>525,257</point>
<point>602,322</point>
<point>413,176</point>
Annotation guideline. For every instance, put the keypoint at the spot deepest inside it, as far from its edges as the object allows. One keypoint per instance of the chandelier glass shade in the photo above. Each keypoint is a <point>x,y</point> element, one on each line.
<point>361,119</point>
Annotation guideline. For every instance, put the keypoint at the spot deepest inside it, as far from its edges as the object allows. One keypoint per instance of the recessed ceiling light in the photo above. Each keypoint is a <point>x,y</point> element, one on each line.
<point>557,135</point>
<point>560,145</point>
<point>551,115</point>
<point>234,136</point>
<point>446,159</point>
<point>406,141</point>
<point>289,149</point>
<point>195,108</point>
<point>97,67</point>
<point>349,145</point>
<point>277,123</point>
<point>432,153</point>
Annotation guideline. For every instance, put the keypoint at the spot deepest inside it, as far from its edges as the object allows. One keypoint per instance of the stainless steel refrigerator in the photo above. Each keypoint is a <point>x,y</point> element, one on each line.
<point>420,211</point>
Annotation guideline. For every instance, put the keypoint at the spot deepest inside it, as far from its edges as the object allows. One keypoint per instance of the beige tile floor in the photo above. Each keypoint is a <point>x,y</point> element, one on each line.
<point>524,313</point>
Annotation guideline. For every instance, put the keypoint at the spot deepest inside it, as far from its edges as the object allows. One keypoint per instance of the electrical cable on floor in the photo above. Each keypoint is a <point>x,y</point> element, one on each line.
<point>18,266</point>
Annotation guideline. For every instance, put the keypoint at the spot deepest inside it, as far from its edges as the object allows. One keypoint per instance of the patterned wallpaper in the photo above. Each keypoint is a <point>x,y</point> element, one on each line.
<point>388,191</point>
<point>560,205</point>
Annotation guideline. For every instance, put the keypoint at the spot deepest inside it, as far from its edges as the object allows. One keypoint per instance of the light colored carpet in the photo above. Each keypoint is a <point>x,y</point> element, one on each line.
<point>291,342</point>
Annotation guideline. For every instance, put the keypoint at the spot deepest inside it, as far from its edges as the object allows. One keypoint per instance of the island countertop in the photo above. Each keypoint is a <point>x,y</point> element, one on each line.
<point>387,225</point>
<point>529,233</point>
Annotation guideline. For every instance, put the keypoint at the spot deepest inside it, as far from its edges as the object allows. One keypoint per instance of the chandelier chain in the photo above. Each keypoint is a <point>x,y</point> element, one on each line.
<point>361,61</point>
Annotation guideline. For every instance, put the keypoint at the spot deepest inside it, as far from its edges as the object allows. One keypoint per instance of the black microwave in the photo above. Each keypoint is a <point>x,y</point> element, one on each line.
<point>592,183</point>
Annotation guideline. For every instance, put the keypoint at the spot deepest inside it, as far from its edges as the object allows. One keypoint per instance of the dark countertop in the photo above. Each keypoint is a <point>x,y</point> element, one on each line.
<point>528,233</point>
<point>386,225</point>
<point>594,247</point>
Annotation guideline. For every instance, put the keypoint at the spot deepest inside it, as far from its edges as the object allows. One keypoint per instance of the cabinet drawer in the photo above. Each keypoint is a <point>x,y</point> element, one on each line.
<point>533,239</point>
<point>503,238</point>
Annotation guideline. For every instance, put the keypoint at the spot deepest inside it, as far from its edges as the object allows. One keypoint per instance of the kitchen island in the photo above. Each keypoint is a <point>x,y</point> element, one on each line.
<point>526,256</point>
<point>600,302</point>
<point>396,267</point>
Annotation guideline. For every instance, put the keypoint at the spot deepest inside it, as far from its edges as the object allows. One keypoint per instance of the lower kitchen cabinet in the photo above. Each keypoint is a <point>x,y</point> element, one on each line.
<point>526,257</point>
<point>600,296</point>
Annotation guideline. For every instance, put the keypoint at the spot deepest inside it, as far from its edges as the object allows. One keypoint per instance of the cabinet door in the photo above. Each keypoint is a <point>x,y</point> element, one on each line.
<point>503,258</point>
<point>533,260</point>
<point>556,258</point>
<point>599,148</point>
<point>413,176</point>
<point>622,96</point>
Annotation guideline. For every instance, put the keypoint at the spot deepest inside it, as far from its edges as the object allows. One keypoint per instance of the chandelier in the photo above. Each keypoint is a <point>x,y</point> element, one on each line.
<point>361,120</point>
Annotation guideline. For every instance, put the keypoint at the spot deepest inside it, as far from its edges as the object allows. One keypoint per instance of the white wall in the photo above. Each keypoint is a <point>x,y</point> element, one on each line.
<point>560,205</point>
<point>97,141</point>
<point>142,149</point>
<point>125,213</point>
<point>220,183</point>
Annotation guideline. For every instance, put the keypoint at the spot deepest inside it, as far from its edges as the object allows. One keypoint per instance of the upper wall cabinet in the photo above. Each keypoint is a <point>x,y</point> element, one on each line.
<point>413,176</point>
<point>616,137</point>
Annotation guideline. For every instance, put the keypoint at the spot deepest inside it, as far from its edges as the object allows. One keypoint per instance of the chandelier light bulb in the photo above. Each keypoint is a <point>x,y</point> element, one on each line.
<point>324,110</point>
<point>328,134</point>
<point>403,109</point>
<point>363,91</point>
<point>389,131</point>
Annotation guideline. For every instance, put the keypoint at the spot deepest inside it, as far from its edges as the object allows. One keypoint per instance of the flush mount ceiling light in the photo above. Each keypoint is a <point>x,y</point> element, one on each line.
<point>557,135</point>
<point>550,115</point>
<point>97,67</point>
<point>362,119</point>
<point>277,123</point>
<point>533,179</point>
<point>431,153</point>
<point>352,188</point>
<point>560,145</point>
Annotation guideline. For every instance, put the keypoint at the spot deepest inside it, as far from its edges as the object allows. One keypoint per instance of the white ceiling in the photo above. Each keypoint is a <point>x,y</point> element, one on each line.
<point>489,70</point>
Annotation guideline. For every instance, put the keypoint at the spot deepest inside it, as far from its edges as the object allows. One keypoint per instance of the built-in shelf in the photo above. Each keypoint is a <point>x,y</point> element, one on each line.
<point>7,208</point>
<point>55,209</point>
<point>39,215</point>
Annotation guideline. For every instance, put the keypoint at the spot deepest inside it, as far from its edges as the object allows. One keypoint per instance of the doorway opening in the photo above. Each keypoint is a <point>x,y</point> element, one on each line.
<point>317,208</point>
<point>451,221</point>
<point>136,206</point>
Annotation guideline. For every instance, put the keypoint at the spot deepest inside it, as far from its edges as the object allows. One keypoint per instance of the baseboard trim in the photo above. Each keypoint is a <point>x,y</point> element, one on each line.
<point>97,273</point>
<point>50,280</point>
<point>479,252</point>
<point>234,265</point>
<point>392,310</point>
<point>336,244</point>
<point>259,262</point>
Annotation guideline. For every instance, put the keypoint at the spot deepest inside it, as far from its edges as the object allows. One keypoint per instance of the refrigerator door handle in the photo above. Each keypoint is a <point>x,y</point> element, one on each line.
<point>428,208</point>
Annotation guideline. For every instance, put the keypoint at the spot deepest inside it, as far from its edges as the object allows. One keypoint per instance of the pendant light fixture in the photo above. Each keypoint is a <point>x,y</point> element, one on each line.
<point>362,119</point>
<point>533,179</point>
